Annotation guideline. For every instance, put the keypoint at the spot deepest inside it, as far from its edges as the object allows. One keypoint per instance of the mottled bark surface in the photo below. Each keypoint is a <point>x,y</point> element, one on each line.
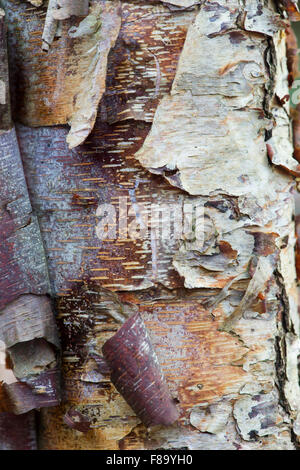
<point>28,334</point>
<point>176,125</point>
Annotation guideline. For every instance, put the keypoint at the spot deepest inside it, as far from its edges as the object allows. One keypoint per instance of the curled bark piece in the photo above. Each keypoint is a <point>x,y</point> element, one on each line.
<point>66,8</point>
<point>17,432</point>
<point>142,38</point>
<point>51,24</point>
<point>31,357</point>
<point>222,257</point>
<point>257,284</point>
<point>136,375</point>
<point>6,373</point>
<point>27,318</point>
<point>212,302</point>
<point>105,19</point>
<point>282,160</point>
<point>76,420</point>
<point>33,392</point>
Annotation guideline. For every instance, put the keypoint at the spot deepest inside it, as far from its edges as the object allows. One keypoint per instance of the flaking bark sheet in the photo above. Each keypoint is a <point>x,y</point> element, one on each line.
<point>26,318</point>
<point>136,374</point>
<point>103,25</point>
<point>76,420</point>
<point>33,392</point>
<point>223,96</point>
<point>31,357</point>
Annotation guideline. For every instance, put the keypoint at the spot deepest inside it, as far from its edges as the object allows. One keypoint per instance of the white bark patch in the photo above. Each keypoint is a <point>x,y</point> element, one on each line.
<point>36,3</point>
<point>262,20</point>
<point>66,8</point>
<point>183,3</point>
<point>211,114</point>
<point>212,419</point>
<point>257,415</point>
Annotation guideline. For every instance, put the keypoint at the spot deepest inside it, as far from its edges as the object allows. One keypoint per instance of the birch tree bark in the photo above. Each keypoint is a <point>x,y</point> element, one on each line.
<point>178,104</point>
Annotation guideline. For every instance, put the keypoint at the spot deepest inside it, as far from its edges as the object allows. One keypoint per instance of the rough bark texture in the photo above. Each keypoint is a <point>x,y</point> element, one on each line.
<point>175,125</point>
<point>28,333</point>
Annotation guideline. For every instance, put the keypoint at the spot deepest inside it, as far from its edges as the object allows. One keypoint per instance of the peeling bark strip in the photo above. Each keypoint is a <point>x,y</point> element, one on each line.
<point>213,93</point>
<point>136,375</point>
<point>31,392</point>
<point>50,27</point>
<point>103,25</point>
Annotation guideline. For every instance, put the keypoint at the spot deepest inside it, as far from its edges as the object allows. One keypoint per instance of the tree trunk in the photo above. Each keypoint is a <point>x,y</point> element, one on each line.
<point>182,333</point>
